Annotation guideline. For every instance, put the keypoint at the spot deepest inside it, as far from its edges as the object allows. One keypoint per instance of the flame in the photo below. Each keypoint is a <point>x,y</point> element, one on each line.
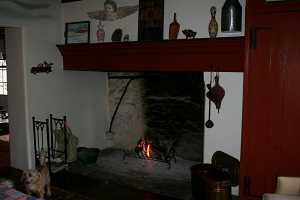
<point>148,151</point>
<point>145,148</point>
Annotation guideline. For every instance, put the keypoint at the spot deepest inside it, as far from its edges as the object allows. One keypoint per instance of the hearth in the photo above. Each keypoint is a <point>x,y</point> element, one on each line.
<point>145,149</point>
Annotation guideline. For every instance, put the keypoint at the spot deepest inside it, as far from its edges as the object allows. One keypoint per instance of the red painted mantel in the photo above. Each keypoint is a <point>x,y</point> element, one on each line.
<point>224,54</point>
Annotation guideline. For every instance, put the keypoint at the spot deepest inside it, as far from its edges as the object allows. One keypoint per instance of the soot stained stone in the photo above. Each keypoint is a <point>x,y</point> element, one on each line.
<point>174,112</point>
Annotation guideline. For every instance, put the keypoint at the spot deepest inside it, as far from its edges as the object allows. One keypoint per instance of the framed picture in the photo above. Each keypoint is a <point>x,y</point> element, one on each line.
<point>151,20</point>
<point>77,32</point>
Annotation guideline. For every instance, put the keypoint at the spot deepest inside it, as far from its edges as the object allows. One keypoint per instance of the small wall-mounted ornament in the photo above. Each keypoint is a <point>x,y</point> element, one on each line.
<point>189,34</point>
<point>43,67</point>
<point>213,24</point>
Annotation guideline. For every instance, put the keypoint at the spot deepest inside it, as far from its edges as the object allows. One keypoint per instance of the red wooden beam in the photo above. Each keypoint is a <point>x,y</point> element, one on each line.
<point>224,54</point>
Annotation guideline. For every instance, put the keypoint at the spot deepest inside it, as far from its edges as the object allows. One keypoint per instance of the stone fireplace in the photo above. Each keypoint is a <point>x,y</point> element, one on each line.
<point>167,109</point>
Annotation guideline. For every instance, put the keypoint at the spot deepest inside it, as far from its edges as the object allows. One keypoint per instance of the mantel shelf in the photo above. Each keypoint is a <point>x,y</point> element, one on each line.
<point>223,54</point>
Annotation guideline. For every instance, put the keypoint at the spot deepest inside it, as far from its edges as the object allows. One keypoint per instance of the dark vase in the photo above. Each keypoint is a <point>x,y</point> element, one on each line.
<point>231,20</point>
<point>117,35</point>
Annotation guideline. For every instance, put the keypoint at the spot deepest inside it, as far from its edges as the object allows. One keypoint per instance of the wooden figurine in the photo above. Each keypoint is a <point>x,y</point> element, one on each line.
<point>213,24</point>
<point>100,32</point>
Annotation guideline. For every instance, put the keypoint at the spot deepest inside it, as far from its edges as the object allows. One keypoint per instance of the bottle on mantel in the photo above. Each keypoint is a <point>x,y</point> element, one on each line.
<point>213,24</point>
<point>174,29</point>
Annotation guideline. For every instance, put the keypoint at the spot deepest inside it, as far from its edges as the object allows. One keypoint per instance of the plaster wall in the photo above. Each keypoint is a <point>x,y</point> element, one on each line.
<point>85,96</point>
<point>18,101</point>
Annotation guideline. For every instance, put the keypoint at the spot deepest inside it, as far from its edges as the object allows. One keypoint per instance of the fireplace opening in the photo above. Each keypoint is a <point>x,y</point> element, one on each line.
<point>167,110</point>
<point>157,132</point>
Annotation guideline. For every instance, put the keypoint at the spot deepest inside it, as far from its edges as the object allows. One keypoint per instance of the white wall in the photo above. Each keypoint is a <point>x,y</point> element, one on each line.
<point>17,100</point>
<point>86,106</point>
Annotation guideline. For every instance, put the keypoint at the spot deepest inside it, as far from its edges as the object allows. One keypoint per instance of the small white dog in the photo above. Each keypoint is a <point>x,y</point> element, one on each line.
<point>37,181</point>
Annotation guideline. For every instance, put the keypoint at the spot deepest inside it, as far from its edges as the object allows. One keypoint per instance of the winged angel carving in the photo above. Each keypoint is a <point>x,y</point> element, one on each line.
<point>112,12</point>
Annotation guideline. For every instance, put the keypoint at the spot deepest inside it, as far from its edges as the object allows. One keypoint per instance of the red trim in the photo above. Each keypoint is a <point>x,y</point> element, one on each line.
<point>224,54</point>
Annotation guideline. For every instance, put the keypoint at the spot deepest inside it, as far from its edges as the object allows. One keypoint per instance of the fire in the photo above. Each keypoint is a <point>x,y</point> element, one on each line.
<point>148,151</point>
<point>144,148</point>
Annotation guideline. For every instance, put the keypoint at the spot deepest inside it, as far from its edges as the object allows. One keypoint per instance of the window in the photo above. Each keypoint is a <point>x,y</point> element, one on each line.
<point>3,77</point>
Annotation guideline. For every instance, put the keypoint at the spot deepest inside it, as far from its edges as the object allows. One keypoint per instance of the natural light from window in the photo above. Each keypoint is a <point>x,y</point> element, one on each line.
<point>3,77</point>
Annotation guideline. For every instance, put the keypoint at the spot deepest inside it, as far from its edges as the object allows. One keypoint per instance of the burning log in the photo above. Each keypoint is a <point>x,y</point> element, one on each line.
<point>146,150</point>
<point>143,149</point>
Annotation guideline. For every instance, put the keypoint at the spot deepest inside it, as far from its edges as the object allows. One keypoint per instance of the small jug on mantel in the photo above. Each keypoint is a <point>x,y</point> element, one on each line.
<point>231,17</point>
<point>213,24</point>
<point>174,29</point>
